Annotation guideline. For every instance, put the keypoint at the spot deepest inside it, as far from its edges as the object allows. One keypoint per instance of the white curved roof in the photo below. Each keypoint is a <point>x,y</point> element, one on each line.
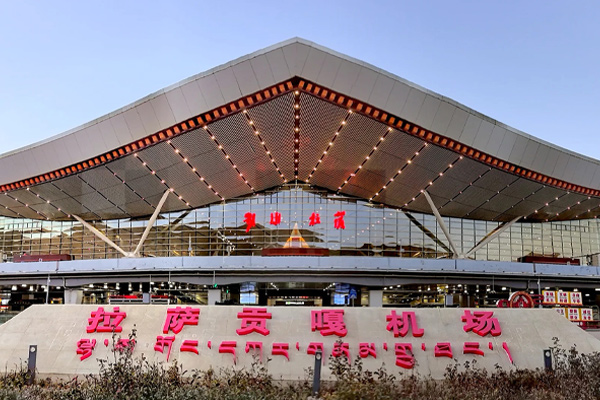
<point>343,75</point>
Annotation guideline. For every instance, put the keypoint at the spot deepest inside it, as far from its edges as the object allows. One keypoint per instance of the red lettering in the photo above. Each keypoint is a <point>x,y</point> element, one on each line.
<point>85,347</point>
<point>281,349</point>
<point>442,350</point>
<point>313,347</point>
<point>472,348</point>
<point>250,220</point>
<point>315,219</point>
<point>505,347</point>
<point>338,221</point>
<point>189,346</point>
<point>104,321</point>
<point>481,322</point>
<point>400,325</point>
<point>275,218</point>
<point>254,320</point>
<point>228,347</point>
<point>328,322</point>
<point>340,349</point>
<point>255,346</point>
<point>404,356</point>
<point>178,317</point>
<point>367,350</point>
<point>162,342</point>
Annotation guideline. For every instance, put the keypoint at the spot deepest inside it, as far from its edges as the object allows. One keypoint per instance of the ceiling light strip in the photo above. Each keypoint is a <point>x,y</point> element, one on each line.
<point>555,217</point>
<point>442,141</point>
<point>227,157</point>
<point>10,209</point>
<point>101,195</point>
<point>50,203</point>
<point>153,172</point>
<point>330,144</point>
<point>75,200</point>
<point>194,170</point>
<point>589,210</point>
<point>161,136</point>
<point>549,203</point>
<point>296,132</point>
<point>438,176</point>
<point>571,206</point>
<point>129,187</point>
<point>393,178</point>
<point>262,142</point>
<point>323,93</point>
<point>367,158</point>
<point>498,192</point>
<point>537,210</point>
<point>26,206</point>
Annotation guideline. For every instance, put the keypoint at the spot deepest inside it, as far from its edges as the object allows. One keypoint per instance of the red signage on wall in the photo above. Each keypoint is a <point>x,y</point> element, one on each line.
<point>253,322</point>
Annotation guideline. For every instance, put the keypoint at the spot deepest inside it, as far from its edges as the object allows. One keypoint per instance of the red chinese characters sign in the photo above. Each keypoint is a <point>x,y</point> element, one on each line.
<point>481,322</point>
<point>339,221</point>
<point>403,335</point>
<point>275,218</point>
<point>328,322</point>
<point>101,321</point>
<point>254,320</point>
<point>314,219</point>
<point>250,220</point>
<point>105,321</point>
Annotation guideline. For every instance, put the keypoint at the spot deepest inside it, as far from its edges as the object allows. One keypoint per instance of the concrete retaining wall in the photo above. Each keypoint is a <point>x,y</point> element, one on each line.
<point>57,329</point>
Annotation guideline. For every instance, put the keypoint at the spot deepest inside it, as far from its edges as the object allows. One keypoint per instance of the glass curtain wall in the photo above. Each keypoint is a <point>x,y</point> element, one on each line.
<point>369,230</point>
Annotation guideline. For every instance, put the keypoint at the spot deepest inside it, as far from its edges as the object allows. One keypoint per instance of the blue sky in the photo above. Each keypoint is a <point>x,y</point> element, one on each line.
<point>533,65</point>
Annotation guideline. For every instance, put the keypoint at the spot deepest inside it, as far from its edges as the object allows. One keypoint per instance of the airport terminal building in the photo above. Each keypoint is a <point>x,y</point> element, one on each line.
<point>296,176</point>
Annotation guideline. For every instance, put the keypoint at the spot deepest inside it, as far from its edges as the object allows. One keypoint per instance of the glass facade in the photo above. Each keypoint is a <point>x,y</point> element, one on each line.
<point>370,230</point>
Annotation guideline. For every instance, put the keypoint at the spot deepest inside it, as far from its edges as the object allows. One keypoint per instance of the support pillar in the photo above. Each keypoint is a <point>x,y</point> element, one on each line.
<point>214,296</point>
<point>73,296</point>
<point>146,292</point>
<point>128,254</point>
<point>375,298</point>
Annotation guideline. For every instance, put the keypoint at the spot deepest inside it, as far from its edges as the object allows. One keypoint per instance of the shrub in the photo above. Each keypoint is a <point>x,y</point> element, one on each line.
<point>123,376</point>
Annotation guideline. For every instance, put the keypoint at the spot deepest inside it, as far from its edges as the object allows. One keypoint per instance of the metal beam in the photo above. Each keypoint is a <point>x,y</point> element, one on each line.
<point>442,224</point>
<point>136,252</point>
<point>102,236</point>
<point>151,221</point>
<point>491,236</point>
<point>427,232</point>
